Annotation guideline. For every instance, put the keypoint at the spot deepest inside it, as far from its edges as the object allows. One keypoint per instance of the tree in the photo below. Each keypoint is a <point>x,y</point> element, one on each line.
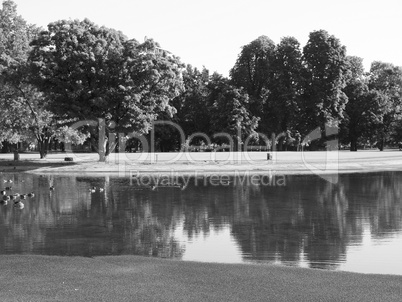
<point>193,107</point>
<point>24,117</point>
<point>252,71</point>
<point>15,35</point>
<point>281,111</point>
<point>229,113</point>
<point>13,127</point>
<point>14,47</point>
<point>323,99</point>
<point>363,110</point>
<point>386,80</point>
<point>27,116</point>
<point>96,73</point>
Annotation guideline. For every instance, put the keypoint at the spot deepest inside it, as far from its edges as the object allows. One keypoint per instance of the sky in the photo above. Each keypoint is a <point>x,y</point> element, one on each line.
<point>211,33</point>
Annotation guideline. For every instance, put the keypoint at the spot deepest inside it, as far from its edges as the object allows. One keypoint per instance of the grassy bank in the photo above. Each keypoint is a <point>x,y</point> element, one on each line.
<point>132,278</point>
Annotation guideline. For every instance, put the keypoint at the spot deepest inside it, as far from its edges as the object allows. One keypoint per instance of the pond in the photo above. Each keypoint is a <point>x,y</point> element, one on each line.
<point>352,225</point>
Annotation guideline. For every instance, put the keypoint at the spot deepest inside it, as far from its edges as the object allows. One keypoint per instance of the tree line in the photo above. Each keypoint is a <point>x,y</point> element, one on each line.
<point>276,94</point>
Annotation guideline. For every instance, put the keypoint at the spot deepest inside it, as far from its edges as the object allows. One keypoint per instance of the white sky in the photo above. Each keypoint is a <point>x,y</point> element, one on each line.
<point>211,33</point>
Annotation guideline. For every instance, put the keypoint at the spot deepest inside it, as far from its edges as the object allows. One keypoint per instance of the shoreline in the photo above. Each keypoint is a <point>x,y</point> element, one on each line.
<point>230,163</point>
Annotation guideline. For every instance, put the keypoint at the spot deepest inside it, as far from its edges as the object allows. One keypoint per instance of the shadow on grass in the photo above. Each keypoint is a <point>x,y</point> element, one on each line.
<point>29,165</point>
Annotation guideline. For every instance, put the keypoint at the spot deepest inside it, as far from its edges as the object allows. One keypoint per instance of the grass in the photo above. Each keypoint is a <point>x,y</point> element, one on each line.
<point>134,278</point>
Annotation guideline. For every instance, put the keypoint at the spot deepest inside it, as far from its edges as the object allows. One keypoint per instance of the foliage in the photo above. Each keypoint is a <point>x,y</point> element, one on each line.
<point>363,110</point>
<point>15,35</point>
<point>14,40</point>
<point>193,104</point>
<point>94,72</point>
<point>386,80</point>
<point>281,111</point>
<point>32,121</point>
<point>323,99</point>
<point>252,71</point>
<point>229,113</point>
<point>25,117</point>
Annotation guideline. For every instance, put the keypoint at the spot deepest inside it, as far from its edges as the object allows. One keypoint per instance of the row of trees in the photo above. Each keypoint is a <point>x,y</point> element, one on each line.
<point>283,89</point>
<point>77,71</point>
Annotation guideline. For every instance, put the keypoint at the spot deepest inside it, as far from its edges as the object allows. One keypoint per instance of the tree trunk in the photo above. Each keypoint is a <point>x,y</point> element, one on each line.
<point>103,155</point>
<point>103,151</point>
<point>235,146</point>
<point>122,143</point>
<point>353,144</point>
<point>16,155</point>
<point>381,144</point>
<point>280,144</point>
<point>42,146</point>
<point>273,142</point>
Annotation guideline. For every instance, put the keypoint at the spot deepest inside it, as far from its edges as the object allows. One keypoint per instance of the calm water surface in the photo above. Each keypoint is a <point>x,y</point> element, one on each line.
<point>354,225</point>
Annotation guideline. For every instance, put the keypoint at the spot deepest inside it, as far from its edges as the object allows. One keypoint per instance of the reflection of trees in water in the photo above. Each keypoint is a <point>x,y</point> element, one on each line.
<point>272,224</point>
<point>315,218</point>
<point>72,220</point>
<point>326,224</point>
<point>24,230</point>
<point>378,203</point>
<point>146,234</point>
<point>308,216</point>
<point>204,209</point>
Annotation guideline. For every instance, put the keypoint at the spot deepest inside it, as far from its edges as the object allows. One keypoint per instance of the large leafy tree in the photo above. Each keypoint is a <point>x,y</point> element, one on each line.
<point>323,99</point>
<point>386,80</point>
<point>24,116</point>
<point>14,47</point>
<point>193,107</point>
<point>93,73</point>
<point>252,71</point>
<point>15,35</point>
<point>31,121</point>
<point>230,114</point>
<point>363,110</point>
<point>282,111</point>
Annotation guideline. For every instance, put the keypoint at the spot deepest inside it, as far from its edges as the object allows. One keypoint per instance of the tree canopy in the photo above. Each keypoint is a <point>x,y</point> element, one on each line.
<point>325,62</point>
<point>94,72</point>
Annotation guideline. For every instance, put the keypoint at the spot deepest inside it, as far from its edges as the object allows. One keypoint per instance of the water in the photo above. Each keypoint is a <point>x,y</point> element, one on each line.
<point>354,225</point>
